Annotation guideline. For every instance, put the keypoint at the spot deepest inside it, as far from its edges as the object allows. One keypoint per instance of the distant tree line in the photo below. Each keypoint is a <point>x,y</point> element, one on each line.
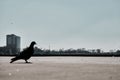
<point>74,52</point>
<point>4,51</point>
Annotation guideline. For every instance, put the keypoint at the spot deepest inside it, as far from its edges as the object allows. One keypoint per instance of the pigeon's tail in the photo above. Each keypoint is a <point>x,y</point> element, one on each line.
<point>13,59</point>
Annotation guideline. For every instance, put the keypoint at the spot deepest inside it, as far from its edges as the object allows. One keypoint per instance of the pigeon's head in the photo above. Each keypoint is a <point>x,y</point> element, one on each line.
<point>33,42</point>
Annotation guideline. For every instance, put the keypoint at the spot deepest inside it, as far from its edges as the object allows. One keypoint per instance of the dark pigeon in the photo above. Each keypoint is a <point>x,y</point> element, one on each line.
<point>25,54</point>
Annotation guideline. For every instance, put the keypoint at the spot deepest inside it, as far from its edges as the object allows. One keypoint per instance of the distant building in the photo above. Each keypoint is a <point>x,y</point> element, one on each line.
<point>13,44</point>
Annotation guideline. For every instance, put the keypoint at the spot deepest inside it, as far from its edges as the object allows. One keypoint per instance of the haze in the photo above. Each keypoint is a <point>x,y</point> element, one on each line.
<point>89,24</point>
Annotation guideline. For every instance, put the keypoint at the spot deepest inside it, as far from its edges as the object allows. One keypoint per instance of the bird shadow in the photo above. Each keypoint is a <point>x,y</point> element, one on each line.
<point>22,63</point>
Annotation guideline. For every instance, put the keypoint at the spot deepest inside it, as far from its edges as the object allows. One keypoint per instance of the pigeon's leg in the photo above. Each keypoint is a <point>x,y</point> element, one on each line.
<point>26,61</point>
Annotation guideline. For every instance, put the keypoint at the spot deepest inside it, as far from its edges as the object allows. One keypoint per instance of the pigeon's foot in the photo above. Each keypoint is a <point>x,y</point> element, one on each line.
<point>27,61</point>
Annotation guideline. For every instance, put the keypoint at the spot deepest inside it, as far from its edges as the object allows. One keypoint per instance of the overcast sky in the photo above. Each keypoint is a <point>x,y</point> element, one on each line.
<point>89,24</point>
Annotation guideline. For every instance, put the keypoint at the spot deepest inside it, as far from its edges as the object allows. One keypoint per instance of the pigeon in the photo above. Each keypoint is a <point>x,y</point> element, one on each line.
<point>25,54</point>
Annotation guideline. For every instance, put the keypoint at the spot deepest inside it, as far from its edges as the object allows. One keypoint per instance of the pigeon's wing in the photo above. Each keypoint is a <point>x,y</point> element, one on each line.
<point>24,53</point>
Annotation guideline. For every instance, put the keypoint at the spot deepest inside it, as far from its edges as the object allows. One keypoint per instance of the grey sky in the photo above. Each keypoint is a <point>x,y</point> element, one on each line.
<point>62,23</point>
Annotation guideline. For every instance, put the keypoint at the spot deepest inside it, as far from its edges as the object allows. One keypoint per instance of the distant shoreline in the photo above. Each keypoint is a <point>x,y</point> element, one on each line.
<point>65,56</point>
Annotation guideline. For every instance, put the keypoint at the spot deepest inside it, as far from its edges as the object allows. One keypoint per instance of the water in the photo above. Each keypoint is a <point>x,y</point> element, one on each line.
<point>88,60</point>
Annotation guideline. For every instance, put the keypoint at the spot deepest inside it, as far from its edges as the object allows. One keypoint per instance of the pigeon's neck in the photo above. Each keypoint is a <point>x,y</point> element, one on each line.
<point>31,46</point>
